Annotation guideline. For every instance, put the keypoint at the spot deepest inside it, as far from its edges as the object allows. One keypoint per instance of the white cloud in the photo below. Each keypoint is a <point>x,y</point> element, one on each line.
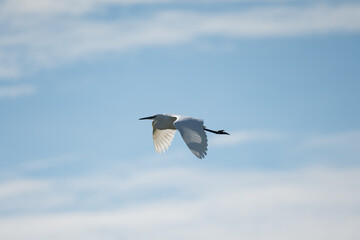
<point>297,204</point>
<point>50,34</point>
<point>16,91</point>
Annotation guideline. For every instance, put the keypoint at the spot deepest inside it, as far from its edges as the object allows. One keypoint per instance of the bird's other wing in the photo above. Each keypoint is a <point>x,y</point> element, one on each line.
<point>162,139</point>
<point>192,131</point>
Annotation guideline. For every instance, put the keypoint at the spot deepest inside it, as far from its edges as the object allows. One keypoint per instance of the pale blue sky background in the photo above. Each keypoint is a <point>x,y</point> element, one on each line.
<point>281,76</point>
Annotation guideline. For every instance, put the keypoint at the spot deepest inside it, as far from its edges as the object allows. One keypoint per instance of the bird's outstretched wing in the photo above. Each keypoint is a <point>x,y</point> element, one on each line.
<point>162,139</point>
<point>192,131</point>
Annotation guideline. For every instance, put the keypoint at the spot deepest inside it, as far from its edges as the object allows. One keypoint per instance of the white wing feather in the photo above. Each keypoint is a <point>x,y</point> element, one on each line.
<point>162,139</point>
<point>192,131</point>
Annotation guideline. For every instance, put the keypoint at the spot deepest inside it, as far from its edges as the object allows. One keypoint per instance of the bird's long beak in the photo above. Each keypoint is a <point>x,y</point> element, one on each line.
<point>145,118</point>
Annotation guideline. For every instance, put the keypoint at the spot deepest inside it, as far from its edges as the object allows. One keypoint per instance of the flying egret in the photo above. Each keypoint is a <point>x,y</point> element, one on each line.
<point>191,129</point>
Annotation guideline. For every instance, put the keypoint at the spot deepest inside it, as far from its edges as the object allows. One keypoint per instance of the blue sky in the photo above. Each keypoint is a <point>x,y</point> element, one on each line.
<point>282,77</point>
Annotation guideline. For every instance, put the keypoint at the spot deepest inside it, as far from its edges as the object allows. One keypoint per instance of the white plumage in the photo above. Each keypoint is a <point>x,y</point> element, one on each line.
<point>191,129</point>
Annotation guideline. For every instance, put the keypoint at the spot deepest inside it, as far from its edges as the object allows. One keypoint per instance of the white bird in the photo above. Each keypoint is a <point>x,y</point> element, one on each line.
<point>191,129</point>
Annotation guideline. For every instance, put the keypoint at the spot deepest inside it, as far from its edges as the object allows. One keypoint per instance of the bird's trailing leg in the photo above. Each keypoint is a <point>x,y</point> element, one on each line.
<point>216,132</point>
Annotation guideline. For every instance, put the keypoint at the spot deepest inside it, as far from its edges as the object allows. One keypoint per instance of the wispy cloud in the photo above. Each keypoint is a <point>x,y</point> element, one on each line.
<point>331,147</point>
<point>20,187</point>
<point>79,7</point>
<point>47,163</point>
<point>172,202</point>
<point>344,139</point>
<point>310,203</point>
<point>8,72</point>
<point>16,91</point>
<point>8,69</point>
<point>51,32</point>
